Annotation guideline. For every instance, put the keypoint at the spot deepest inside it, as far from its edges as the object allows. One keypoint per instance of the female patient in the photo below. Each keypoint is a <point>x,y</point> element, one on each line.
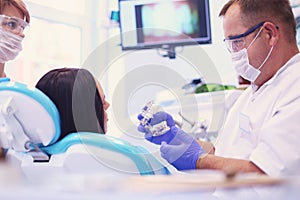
<point>79,98</point>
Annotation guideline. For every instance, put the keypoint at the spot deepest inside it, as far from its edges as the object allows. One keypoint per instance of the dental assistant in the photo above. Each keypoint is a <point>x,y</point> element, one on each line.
<point>262,130</point>
<point>14,18</point>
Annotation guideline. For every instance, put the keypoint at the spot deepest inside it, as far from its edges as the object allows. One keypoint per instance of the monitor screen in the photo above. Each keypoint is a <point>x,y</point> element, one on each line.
<point>163,23</point>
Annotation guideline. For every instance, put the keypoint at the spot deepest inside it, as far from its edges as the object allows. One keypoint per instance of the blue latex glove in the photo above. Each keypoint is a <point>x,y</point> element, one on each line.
<point>157,118</point>
<point>183,152</point>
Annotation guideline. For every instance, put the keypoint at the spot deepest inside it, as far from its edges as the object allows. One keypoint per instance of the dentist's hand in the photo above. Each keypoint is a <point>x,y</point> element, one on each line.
<point>157,118</point>
<point>183,152</point>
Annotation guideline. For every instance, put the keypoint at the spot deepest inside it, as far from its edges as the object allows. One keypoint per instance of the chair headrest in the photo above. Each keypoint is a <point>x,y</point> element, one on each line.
<point>27,113</point>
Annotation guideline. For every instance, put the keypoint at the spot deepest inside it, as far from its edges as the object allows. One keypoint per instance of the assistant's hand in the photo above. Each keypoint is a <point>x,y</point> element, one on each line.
<point>157,118</point>
<point>183,151</point>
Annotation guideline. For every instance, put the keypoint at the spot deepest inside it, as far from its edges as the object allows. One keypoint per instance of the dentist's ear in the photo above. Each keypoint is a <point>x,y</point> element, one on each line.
<point>272,33</point>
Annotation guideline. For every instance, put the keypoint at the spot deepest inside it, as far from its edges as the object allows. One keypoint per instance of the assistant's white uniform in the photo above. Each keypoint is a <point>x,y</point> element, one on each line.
<point>264,125</point>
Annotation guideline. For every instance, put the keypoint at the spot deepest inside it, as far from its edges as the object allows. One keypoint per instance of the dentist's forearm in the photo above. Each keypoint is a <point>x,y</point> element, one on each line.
<point>231,165</point>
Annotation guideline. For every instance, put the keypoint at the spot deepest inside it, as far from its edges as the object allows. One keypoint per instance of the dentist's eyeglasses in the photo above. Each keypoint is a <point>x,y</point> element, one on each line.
<point>13,24</point>
<point>237,42</point>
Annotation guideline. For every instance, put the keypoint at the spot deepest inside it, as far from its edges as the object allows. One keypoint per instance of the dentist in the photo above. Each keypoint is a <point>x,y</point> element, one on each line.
<point>14,18</point>
<point>261,133</point>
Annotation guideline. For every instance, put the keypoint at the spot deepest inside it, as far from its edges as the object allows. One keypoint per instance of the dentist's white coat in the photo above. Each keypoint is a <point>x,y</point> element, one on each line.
<point>264,125</point>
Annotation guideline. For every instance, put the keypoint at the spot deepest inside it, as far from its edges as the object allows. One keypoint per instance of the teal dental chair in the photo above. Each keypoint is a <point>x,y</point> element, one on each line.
<point>30,127</point>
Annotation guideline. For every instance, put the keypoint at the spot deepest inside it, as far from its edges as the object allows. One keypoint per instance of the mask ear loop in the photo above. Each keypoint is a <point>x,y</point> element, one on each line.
<point>266,58</point>
<point>269,51</point>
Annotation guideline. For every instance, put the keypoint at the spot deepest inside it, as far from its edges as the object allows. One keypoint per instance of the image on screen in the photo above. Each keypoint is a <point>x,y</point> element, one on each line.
<point>155,25</point>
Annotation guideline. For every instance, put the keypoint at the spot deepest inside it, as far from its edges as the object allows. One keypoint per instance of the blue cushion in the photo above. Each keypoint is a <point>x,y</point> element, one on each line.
<point>137,154</point>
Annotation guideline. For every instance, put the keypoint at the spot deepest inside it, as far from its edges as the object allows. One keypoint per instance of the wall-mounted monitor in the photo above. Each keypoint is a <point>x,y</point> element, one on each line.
<point>148,24</point>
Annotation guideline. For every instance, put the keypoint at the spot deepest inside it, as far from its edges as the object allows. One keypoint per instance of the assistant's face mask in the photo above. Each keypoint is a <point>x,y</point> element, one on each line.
<point>10,45</point>
<point>242,65</point>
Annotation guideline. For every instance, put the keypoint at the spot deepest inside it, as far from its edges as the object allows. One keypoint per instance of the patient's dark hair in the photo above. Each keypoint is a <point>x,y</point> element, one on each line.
<point>74,92</point>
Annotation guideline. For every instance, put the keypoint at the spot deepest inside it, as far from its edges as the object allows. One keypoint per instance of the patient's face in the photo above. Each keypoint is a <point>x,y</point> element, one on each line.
<point>105,105</point>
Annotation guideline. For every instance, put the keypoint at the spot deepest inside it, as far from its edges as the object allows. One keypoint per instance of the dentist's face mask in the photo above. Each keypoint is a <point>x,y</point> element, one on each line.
<point>10,46</point>
<point>239,54</point>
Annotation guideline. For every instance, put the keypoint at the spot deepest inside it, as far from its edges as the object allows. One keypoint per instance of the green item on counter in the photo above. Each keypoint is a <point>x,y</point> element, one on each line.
<point>212,87</point>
